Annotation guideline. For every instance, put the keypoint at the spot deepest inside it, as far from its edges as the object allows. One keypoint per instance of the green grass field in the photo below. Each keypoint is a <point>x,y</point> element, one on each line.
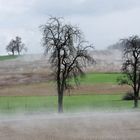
<point>99,78</point>
<point>7,57</point>
<point>71,103</point>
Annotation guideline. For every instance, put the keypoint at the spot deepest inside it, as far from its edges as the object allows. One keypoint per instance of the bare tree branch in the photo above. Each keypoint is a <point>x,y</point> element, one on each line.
<point>131,64</point>
<point>68,53</point>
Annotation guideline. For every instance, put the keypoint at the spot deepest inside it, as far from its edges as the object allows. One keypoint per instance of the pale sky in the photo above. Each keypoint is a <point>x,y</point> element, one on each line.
<point>103,22</point>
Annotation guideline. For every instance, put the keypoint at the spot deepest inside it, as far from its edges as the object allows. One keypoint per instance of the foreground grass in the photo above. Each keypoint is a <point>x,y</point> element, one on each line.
<point>7,57</point>
<point>71,103</point>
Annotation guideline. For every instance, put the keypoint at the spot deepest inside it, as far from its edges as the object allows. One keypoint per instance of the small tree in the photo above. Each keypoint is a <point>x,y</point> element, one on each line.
<point>16,46</point>
<point>19,45</point>
<point>131,65</point>
<point>68,53</point>
<point>11,47</point>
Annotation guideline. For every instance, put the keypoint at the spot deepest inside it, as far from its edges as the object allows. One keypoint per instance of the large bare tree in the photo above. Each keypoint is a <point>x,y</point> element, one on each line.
<point>131,65</point>
<point>68,53</point>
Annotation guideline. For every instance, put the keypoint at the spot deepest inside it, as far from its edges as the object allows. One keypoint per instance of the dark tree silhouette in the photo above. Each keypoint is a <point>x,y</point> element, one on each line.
<point>11,47</point>
<point>19,45</point>
<point>131,65</point>
<point>16,46</point>
<point>68,53</point>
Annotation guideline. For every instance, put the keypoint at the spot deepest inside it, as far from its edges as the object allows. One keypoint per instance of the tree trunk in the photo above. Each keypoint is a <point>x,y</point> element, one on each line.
<point>136,101</point>
<point>18,52</point>
<point>59,90</point>
<point>13,53</point>
<point>60,103</point>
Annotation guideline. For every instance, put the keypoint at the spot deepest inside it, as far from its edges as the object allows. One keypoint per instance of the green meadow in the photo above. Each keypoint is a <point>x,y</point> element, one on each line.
<point>71,103</point>
<point>100,78</point>
<point>7,57</point>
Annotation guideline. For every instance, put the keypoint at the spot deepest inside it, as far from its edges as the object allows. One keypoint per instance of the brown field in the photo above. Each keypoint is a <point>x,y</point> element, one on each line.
<point>45,89</point>
<point>29,75</point>
<point>85,126</point>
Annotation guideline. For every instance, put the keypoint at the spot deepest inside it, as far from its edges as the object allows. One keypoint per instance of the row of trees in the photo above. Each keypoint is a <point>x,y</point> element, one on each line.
<point>69,54</point>
<point>16,46</point>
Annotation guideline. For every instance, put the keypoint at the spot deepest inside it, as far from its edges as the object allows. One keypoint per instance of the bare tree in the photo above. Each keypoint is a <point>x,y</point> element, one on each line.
<point>11,47</point>
<point>19,45</point>
<point>68,53</point>
<point>16,46</point>
<point>131,65</point>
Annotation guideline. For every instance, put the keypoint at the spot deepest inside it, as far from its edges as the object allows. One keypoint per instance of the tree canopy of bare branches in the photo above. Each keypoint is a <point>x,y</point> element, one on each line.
<point>16,46</point>
<point>131,65</point>
<point>68,53</point>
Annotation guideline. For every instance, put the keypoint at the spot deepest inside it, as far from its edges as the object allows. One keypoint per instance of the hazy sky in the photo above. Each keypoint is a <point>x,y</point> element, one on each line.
<point>103,21</point>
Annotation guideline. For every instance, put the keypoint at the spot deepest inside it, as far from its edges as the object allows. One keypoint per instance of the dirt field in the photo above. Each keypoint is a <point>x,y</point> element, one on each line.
<point>27,76</point>
<point>84,126</point>
<point>36,68</point>
<point>45,89</point>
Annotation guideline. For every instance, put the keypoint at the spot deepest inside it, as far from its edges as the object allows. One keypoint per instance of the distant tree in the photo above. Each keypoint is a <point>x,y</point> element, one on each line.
<point>68,54</point>
<point>116,46</point>
<point>131,65</point>
<point>16,46</point>
<point>19,45</point>
<point>11,47</point>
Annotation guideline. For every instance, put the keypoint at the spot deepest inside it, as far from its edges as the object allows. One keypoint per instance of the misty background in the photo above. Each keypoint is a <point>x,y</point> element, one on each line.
<point>103,22</point>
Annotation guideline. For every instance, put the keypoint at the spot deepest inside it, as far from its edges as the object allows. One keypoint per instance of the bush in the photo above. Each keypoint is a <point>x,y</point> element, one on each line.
<point>129,96</point>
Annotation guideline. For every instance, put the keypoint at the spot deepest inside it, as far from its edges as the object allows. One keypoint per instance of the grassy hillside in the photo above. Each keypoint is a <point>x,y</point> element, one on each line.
<point>7,57</point>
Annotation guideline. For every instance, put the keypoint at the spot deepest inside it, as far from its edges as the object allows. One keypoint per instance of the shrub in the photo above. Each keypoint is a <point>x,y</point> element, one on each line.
<point>129,96</point>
